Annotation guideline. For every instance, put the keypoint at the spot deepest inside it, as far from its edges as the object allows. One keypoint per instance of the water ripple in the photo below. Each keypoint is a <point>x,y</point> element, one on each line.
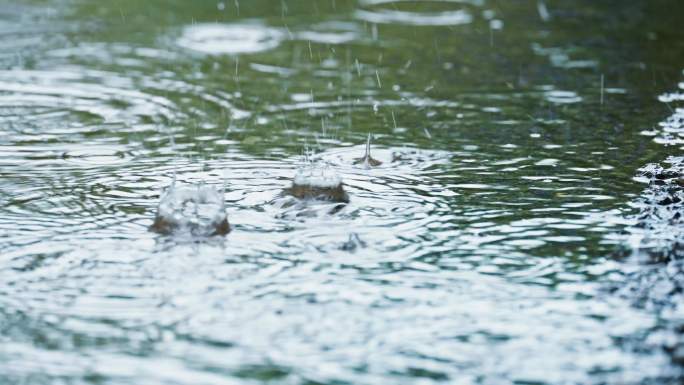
<point>229,39</point>
<point>475,252</point>
<point>376,12</point>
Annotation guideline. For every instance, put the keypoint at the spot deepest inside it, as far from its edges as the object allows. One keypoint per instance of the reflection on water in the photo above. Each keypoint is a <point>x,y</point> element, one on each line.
<point>477,250</point>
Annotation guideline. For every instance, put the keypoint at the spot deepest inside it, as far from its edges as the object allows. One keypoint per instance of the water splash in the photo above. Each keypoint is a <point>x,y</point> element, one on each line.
<point>318,182</point>
<point>353,243</point>
<point>195,209</point>
<point>367,160</point>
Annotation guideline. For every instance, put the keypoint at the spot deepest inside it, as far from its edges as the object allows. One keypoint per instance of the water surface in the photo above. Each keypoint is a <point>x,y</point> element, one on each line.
<point>479,252</point>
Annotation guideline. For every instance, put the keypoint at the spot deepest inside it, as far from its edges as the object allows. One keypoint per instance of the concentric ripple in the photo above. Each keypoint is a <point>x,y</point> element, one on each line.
<point>229,39</point>
<point>119,282</point>
<point>107,96</point>
<point>386,11</point>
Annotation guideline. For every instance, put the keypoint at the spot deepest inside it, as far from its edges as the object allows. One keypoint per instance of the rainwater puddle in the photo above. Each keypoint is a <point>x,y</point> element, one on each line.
<point>479,249</point>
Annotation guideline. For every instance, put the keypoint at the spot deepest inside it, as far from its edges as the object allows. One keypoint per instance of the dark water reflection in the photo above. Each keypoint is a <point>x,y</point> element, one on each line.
<point>478,252</point>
